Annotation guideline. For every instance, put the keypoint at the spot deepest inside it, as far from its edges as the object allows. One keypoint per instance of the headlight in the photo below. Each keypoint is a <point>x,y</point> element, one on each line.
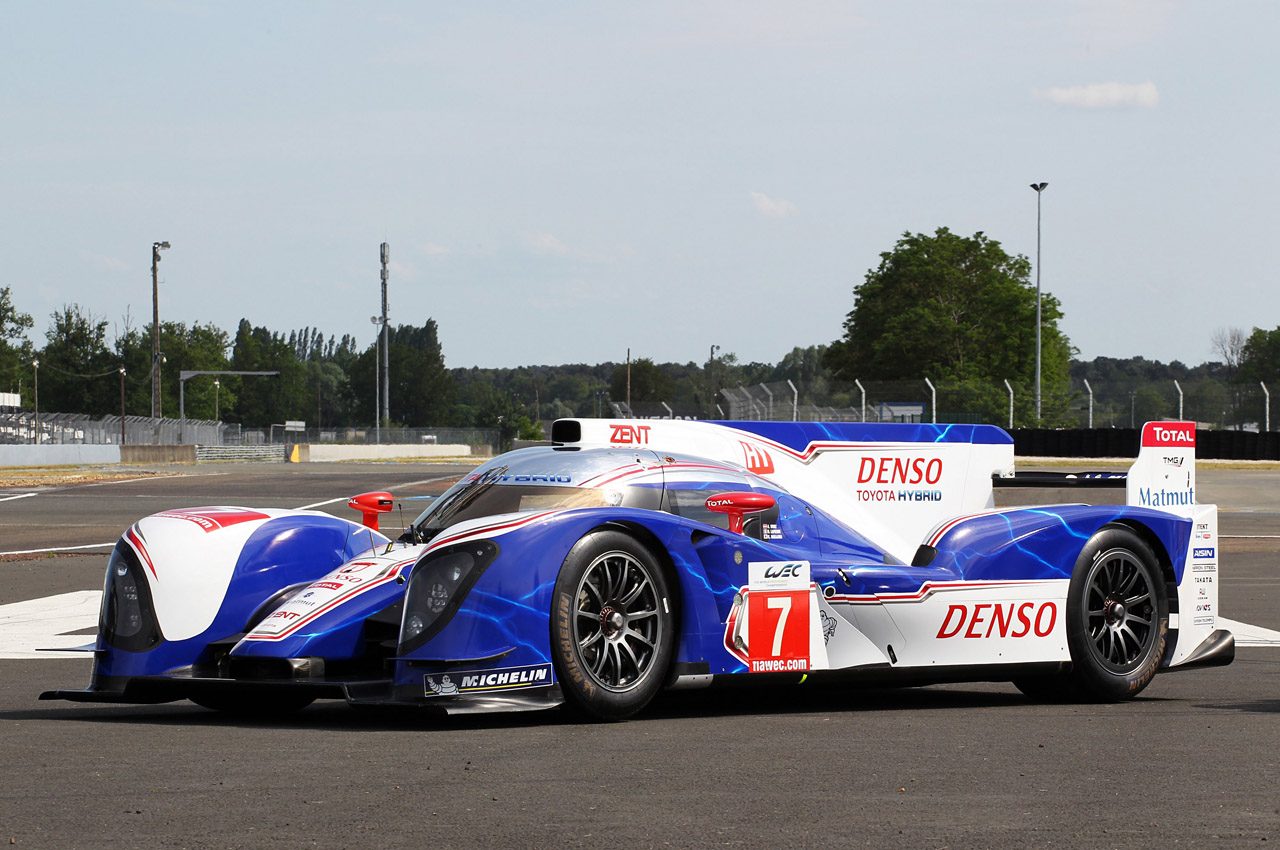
<point>437,587</point>
<point>127,620</point>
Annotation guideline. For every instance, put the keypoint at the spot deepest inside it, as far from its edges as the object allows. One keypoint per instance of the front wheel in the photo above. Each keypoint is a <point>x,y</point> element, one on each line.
<point>612,629</point>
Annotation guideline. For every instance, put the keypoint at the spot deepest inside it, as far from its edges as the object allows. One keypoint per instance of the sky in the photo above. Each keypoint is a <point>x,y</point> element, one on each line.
<point>561,181</point>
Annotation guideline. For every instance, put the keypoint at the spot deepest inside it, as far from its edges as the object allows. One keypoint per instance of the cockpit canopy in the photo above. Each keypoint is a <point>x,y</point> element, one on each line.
<point>556,478</point>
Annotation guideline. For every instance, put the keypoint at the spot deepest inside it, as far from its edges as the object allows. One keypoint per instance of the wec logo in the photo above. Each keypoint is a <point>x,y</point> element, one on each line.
<point>783,571</point>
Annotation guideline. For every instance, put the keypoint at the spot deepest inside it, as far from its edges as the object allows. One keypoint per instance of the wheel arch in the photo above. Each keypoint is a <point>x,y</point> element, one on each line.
<point>1157,547</point>
<point>655,545</point>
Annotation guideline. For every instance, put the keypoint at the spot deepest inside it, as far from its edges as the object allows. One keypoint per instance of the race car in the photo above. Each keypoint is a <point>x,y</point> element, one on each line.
<point>631,556</point>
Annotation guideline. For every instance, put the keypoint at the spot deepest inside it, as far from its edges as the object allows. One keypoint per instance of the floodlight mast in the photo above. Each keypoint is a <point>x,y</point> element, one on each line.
<point>1039,189</point>
<point>156,248</point>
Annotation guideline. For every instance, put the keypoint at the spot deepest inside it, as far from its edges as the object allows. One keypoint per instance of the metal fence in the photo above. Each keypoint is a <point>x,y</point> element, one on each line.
<point>77,428</point>
<point>1214,404</point>
<point>80,429</point>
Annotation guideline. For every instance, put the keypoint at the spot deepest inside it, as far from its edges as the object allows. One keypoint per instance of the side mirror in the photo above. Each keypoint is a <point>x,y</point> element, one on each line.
<point>738,505</point>
<point>370,505</point>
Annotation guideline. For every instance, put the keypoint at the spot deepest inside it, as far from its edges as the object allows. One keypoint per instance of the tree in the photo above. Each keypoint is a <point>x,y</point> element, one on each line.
<point>1229,344</point>
<point>1260,357</point>
<point>957,310</point>
<point>263,401</point>
<point>422,390</point>
<point>649,383</point>
<point>78,370</point>
<point>15,350</point>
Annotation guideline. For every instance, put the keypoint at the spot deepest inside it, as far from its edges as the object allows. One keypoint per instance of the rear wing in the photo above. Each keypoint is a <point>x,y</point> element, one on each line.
<point>1162,477</point>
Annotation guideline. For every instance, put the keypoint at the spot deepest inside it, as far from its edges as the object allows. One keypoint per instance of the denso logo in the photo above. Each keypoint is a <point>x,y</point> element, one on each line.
<point>1004,619</point>
<point>757,459</point>
<point>900,470</point>
<point>783,571</point>
<point>626,435</point>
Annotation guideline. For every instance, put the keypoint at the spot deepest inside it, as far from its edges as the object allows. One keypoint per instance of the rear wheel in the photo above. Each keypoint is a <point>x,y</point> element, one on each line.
<point>612,630</point>
<point>1117,622</point>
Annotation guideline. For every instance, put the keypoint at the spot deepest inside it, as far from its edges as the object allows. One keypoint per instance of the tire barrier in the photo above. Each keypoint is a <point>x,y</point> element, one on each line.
<point>1123,443</point>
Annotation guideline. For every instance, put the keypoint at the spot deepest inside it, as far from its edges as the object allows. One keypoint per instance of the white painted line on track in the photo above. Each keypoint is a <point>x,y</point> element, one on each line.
<point>1249,536</point>
<point>58,549</point>
<point>406,484</point>
<point>1247,635</point>
<point>125,481</point>
<point>26,627</point>
<point>19,496</point>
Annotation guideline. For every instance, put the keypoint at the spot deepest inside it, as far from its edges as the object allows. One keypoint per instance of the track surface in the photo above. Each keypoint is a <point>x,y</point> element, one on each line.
<point>1194,762</point>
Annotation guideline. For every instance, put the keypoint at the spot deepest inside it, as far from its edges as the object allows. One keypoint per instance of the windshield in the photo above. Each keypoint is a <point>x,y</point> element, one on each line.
<point>545,478</point>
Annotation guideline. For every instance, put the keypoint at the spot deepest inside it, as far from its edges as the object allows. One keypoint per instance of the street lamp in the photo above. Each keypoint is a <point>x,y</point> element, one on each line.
<point>122,405</point>
<point>35,391</point>
<point>1039,189</point>
<point>711,377</point>
<point>377,380</point>
<point>156,248</point>
<point>217,397</point>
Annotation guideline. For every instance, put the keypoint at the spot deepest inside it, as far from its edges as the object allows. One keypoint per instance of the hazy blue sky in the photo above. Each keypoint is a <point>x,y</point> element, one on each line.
<point>559,181</point>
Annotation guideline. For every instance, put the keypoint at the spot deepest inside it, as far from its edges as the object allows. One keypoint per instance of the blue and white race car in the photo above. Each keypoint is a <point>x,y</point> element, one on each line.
<point>632,556</point>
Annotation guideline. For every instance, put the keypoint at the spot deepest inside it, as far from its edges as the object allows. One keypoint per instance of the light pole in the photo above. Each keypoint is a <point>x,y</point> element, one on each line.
<point>35,393</point>
<point>385,254</point>
<point>156,248</point>
<point>711,376</point>
<point>122,405</point>
<point>1039,188</point>
<point>377,382</point>
<point>217,399</point>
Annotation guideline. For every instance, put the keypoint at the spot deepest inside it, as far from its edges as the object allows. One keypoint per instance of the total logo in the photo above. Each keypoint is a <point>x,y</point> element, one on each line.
<point>1171,434</point>
<point>629,435</point>
<point>999,619</point>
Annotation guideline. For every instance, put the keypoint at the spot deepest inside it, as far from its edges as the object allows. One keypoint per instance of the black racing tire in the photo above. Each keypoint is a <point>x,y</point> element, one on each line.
<point>1117,623</point>
<point>1117,616</point>
<point>242,704</point>
<point>612,626</point>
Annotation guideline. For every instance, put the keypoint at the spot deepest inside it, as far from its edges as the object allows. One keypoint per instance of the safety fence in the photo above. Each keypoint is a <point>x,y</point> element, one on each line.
<point>1212,403</point>
<point>80,429</point>
<point>24,428</point>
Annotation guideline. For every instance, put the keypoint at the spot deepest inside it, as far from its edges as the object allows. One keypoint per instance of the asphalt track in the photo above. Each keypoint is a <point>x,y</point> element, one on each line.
<point>1193,762</point>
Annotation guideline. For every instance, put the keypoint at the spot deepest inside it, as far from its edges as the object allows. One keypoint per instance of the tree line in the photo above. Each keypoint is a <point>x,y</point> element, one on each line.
<point>957,309</point>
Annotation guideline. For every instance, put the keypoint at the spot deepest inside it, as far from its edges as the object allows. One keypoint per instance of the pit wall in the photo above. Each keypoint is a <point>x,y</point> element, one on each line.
<point>157,454</point>
<point>59,455</point>
<point>317,453</point>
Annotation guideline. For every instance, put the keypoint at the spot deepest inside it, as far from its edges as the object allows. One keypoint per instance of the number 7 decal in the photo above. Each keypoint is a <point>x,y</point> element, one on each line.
<point>784,603</point>
<point>778,617</point>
